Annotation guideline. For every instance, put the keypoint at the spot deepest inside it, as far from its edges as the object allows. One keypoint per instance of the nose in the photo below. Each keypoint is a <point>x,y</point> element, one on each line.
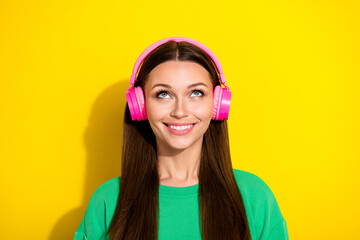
<point>179,109</point>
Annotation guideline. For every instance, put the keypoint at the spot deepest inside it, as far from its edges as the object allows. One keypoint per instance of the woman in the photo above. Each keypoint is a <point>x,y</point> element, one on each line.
<point>177,180</point>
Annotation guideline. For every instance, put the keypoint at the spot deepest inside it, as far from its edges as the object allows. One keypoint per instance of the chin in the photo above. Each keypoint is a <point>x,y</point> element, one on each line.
<point>181,144</point>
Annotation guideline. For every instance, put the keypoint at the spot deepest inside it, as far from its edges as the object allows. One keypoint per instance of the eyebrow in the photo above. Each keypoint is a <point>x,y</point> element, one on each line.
<point>168,86</point>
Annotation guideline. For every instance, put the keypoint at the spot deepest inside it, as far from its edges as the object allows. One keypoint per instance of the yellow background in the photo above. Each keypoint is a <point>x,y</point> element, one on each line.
<point>293,69</point>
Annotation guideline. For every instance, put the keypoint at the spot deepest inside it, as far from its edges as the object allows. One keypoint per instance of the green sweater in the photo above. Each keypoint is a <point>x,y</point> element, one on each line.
<point>179,211</point>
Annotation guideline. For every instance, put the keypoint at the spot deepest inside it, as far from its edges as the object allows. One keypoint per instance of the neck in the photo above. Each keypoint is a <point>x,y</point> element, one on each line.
<point>179,167</point>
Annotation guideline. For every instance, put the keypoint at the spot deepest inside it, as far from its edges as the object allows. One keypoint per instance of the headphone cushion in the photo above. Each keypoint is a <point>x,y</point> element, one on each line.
<point>140,99</point>
<point>216,102</point>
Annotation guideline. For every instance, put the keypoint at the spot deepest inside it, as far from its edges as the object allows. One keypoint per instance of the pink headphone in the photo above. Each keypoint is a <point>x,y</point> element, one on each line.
<point>135,95</point>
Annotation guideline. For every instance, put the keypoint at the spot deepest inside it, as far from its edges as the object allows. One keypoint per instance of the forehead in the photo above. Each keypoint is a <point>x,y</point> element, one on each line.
<point>179,73</point>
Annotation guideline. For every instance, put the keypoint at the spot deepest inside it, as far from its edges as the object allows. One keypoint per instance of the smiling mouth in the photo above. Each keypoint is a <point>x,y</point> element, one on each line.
<point>180,127</point>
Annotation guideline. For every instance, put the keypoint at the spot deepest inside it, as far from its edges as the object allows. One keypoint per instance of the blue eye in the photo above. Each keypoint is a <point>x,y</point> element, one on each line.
<point>162,94</point>
<point>197,93</point>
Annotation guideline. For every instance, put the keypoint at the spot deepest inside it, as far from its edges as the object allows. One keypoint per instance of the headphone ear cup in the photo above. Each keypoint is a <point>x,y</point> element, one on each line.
<point>136,102</point>
<point>221,103</point>
<point>224,104</point>
<point>131,103</point>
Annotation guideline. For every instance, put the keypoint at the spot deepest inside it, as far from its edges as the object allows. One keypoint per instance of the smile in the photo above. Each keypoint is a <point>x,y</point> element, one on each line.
<point>179,129</point>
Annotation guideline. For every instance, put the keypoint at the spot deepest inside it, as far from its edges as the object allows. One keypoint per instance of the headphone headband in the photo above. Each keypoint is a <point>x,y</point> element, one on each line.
<point>153,46</point>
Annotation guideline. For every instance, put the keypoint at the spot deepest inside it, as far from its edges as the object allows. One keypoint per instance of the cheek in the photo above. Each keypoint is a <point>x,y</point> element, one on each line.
<point>154,111</point>
<point>205,110</point>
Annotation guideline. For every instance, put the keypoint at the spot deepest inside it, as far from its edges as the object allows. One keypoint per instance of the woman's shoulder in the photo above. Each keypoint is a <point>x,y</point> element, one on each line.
<point>107,190</point>
<point>99,212</point>
<point>253,188</point>
<point>262,209</point>
<point>249,181</point>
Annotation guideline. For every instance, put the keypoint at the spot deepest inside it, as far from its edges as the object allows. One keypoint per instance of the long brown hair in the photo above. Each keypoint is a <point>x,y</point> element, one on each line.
<point>222,211</point>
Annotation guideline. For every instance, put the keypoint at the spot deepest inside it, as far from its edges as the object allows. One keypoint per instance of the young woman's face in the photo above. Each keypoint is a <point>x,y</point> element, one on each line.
<point>179,103</point>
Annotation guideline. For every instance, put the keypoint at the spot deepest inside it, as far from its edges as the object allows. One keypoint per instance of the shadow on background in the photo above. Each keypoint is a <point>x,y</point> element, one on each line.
<point>103,142</point>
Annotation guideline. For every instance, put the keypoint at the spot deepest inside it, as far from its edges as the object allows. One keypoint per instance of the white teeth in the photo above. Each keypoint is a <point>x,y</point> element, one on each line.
<point>180,127</point>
